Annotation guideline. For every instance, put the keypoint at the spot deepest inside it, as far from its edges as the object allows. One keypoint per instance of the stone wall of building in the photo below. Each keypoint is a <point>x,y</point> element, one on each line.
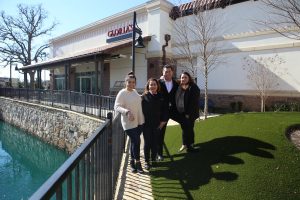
<point>249,102</point>
<point>64,129</point>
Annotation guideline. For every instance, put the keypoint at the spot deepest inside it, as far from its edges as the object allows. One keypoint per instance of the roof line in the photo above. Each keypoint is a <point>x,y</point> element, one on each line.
<point>102,21</point>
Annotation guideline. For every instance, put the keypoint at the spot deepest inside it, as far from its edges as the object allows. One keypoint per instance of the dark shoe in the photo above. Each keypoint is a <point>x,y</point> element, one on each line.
<point>160,158</point>
<point>147,166</point>
<point>133,166</point>
<point>139,167</point>
<point>191,149</point>
<point>153,162</point>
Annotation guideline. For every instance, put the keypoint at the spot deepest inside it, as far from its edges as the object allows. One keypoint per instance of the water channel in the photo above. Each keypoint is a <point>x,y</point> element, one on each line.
<point>25,162</point>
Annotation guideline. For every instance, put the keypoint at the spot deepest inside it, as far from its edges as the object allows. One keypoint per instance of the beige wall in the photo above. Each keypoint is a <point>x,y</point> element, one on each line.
<point>241,38</point>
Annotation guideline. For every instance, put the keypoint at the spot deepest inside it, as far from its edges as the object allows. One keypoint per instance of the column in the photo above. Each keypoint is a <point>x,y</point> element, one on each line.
<point>67,73</point>
<point>25,80</point>
<point>39,79</point>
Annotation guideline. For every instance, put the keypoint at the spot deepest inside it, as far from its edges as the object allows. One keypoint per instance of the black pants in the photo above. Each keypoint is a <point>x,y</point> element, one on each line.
<point>161,136</point>
<point>187,126</point>
<point>150,142</point>
<point>135,141</point>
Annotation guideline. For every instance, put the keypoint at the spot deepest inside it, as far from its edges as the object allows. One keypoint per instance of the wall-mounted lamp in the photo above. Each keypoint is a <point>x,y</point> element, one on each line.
<point>118,56</point>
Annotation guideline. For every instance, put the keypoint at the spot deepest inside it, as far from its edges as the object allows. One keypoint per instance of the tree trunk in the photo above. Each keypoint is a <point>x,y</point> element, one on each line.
<point>262,103</point>
<point>206,95</point>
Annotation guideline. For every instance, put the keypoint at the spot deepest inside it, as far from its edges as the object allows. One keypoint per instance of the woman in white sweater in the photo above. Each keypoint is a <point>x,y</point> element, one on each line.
<point>128,103</point>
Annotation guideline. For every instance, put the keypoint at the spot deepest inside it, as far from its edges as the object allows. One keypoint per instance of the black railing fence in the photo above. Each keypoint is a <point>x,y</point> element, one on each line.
<point>97,105</point>
<point>91,172</point>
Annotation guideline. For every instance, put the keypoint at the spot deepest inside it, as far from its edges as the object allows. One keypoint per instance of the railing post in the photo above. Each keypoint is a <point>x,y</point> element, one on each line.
<point>110,164</point>
<point>51,98</point>
<point>100,107</point>
<point>85,97</point>
<point>39,92</point>
<point>27,95</point>
<point>108,103</point>
<point>70,99</point>
<point>19,93</point>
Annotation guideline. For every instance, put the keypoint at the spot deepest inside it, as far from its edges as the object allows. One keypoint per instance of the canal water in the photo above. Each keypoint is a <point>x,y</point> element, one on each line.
<point>25,162</point>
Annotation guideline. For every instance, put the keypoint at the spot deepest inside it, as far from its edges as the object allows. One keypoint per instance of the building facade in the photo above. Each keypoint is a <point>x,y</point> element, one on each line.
<point>96,57</point>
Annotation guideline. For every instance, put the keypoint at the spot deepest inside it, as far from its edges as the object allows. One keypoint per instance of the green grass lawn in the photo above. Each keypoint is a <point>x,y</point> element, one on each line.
<point>241,156</point>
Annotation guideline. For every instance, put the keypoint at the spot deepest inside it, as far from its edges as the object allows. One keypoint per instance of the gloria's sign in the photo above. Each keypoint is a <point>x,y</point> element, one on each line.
<point>120,31</point>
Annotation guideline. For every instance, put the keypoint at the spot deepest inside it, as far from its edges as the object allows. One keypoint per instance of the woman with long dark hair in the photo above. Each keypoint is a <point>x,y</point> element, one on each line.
<point>156,116</point>
<point>187,103</point>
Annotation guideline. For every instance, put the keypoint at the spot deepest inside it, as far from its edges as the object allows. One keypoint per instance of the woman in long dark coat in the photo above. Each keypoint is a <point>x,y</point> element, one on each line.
<point>187,103</point>
<point>156,116</point>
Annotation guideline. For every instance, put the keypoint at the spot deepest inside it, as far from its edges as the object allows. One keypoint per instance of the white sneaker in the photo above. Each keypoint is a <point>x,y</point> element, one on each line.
<point>183,147</point>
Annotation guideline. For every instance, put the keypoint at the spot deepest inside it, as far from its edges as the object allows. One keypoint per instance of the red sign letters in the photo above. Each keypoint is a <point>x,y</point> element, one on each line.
<point>120,31</point>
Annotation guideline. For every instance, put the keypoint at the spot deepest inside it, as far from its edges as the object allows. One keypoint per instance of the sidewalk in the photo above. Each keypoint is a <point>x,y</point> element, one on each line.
<point>133,186</point>
<point>172,122</point>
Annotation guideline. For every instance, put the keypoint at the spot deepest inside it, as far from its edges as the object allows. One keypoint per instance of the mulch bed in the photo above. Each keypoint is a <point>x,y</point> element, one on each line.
<point>293,134</point>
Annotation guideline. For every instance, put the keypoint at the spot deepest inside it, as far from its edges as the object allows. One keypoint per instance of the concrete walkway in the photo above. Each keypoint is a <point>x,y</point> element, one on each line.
<point>172,123</point>
<point>135,186</point>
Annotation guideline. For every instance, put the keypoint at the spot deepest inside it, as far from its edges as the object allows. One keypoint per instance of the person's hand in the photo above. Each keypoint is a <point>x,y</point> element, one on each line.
<point>130,116</point>
<point>161,125</point>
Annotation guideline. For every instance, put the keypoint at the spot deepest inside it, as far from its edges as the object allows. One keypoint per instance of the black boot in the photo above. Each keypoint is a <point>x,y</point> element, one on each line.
<point>147,165</point>
<point>191,149</point>
<point>139,167</point>
<point>132,166</point>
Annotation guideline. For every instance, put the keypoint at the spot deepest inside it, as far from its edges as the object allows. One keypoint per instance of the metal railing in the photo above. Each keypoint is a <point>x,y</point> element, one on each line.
<point>91,172</point>
<point>97,105</point>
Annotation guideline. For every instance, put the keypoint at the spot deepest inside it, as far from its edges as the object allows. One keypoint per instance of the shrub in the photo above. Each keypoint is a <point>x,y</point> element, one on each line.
<point>240,106</point>
<point>294,107</point>
<point>233,106</point>
<point>287,107</point>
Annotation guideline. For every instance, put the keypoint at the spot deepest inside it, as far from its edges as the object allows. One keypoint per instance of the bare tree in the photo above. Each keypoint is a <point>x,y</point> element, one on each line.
<point>184,44</point>
<point>284,17</point>
<point>196,37</point>
<point>19,34</point>
<point>263,74</point>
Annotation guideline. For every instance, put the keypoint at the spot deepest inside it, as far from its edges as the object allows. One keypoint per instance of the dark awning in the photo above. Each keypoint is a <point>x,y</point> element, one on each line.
<point>86,54</point>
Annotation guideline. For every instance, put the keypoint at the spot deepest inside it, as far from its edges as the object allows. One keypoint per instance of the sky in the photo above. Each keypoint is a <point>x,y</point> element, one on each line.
<point>70,14</point>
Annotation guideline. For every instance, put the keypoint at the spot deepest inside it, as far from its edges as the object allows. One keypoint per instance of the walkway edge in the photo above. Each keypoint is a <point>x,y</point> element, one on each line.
<point>119,192</point>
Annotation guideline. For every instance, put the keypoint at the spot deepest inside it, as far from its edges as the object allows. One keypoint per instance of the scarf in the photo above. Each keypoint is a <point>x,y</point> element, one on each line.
<point>179,98</point>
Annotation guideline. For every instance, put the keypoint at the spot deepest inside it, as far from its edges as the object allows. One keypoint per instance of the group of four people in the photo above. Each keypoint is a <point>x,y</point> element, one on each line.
<point>148,114</point>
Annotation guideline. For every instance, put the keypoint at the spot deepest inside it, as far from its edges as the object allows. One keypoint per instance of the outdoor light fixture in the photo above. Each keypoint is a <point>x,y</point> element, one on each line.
<point>18,69</point>
<point>118,56</point>
<point>136,43</point>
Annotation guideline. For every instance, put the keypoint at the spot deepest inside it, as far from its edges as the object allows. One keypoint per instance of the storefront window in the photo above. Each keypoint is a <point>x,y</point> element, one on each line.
<point>60,83</point>
<point>85,82</point>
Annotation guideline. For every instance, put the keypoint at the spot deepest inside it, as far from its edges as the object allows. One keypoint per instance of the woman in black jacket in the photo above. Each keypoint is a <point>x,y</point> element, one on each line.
<point>187,103</point>
<point>155,114</point>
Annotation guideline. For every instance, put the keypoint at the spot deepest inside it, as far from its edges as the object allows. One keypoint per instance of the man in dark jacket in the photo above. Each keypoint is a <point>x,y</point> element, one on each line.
<point>168,87</point>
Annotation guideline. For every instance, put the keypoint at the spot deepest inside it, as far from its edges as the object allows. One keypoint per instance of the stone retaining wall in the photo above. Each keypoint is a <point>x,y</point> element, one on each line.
<point>64,129</point>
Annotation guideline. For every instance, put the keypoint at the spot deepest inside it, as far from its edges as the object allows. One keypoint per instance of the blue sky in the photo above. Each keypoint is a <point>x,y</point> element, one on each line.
<point>71,14</point>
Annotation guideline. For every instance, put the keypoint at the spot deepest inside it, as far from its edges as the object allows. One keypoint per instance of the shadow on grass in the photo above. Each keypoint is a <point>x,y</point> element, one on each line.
<point>193,170</point>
